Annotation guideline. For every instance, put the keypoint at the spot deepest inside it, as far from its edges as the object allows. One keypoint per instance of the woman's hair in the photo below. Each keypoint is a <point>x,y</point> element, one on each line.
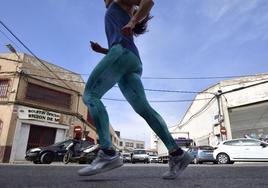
<point>141,27</point>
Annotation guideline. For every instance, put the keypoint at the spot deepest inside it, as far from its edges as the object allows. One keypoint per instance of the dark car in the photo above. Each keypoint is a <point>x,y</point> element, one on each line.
<point>54,152</point>
<point>202,154</point>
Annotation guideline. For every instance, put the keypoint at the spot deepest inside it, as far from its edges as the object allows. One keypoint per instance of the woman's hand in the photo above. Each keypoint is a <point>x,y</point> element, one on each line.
<point>97,48</point>
<point>128,29</point>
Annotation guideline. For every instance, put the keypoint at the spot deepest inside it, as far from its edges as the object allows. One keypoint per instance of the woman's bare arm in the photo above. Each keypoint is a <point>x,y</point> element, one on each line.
<point>144,9</point>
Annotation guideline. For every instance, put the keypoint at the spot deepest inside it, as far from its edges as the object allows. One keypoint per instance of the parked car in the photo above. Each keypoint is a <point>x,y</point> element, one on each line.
<point>126,157</point>
<point>139,155</point>
<point>241,149</point>
<point>202,154</point>
<point>153,158</point>
<point>48,154</point>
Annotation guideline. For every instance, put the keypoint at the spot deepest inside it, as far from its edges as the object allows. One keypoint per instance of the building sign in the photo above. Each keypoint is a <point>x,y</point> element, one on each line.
<point>38,114</point>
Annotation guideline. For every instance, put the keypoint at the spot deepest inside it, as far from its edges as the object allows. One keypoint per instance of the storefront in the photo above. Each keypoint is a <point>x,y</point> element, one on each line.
<point>36,128</point>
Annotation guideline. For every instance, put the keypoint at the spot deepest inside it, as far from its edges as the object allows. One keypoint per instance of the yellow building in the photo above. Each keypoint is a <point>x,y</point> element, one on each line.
<point>40,104</point>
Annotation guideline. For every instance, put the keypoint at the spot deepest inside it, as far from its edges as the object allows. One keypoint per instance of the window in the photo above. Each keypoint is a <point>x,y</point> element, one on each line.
<point>3,88</point>
<point>139,146</point>
<point>233,143</point>
<point>48,96</point>
<point>250,142</point>
<point>121,143</point>
<point>129,144</point>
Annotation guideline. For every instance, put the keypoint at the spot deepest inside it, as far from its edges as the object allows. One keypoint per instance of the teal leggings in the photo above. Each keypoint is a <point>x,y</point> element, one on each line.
<point>121,66</point>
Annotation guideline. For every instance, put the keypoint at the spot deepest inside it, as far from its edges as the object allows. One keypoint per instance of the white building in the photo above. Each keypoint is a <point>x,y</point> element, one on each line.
<point>153,140</point>
<point>128,145</point>
<point>229,109</point>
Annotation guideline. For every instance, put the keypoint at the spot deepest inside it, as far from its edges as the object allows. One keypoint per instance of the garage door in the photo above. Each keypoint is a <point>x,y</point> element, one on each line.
<point>249,120</point>
<point>41,136</point>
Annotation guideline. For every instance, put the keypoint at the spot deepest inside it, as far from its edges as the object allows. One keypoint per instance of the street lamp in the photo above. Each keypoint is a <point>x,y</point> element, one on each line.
<point>12,50</point>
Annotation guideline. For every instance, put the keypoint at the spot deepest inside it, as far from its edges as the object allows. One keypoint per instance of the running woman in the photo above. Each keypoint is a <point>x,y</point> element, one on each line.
<point>122,65</point>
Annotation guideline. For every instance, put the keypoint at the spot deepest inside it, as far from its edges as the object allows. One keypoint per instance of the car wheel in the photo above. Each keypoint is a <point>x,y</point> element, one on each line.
<point>223,158</point>
<point>46,158</point>
<point>66,157</point>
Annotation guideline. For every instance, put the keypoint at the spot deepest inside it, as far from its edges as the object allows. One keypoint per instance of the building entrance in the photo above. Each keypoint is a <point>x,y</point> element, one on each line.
<point>41,136</point>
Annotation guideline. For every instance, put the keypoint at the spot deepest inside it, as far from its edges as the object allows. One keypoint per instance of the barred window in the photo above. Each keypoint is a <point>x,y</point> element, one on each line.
<point>48,96</point>
<point>3,88</point>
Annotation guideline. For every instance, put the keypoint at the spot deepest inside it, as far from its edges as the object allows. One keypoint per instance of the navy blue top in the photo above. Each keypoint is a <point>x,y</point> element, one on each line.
<point>115,19</point>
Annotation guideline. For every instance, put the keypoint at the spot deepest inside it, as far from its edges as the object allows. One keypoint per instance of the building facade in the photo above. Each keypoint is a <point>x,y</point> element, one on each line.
<point>230,109</point>
<point>40,104</point>
<point>128,145</point>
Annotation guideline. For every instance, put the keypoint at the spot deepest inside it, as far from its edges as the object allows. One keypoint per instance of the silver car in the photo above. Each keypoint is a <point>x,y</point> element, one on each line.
<point>241,149</point>
<point>139,155</point>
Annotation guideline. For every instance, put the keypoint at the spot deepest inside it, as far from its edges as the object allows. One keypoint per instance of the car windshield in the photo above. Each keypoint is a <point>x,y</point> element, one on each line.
<point>139,152</point>
<point>65,143</point>
<point>206,148</point>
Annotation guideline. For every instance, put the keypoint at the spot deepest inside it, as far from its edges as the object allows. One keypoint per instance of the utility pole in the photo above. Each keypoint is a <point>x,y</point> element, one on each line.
<point>220,116</point>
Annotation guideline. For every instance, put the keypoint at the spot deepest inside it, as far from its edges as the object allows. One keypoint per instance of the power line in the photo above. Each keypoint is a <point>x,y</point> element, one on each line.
<point>169,78</point>
<point>203,109</point>
<point>157,78</point>
<point>3,33</point>
<point>194,78</point>
<point>154,90</point>
<point>146,89</point>
<point>160,101</point>
<point>30,51</point>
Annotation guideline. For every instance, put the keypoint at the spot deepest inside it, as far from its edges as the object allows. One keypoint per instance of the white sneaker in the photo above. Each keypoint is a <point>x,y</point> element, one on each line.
<point>177,164</point>
<point>101,163</point>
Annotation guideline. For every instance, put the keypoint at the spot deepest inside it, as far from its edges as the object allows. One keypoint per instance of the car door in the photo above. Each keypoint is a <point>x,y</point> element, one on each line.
<point>233,149</point>
<point>253,151</point>
<point>264,151</point>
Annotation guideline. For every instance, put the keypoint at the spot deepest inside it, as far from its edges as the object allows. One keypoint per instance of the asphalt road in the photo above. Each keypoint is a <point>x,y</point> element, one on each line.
<point>244,175</point>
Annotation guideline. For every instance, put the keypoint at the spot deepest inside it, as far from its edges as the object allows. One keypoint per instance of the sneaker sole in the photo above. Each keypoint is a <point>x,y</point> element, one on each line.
<point>102,170</point>
<point>185,162</point>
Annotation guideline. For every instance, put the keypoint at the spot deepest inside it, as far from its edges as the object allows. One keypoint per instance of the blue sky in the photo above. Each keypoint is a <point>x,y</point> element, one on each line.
<point>186,38</point>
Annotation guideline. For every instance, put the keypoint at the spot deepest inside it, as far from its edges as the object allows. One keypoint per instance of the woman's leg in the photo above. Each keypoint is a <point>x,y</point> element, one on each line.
<point>105,75</point>
<point>102,78</point>
<point>132,89</point>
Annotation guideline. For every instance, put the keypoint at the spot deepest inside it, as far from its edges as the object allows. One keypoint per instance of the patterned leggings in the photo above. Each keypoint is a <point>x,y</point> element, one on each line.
<point>121,66</point>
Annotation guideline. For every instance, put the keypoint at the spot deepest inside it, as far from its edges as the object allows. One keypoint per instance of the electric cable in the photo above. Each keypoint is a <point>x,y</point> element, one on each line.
<point>31,52</point>
<point>5,35</point>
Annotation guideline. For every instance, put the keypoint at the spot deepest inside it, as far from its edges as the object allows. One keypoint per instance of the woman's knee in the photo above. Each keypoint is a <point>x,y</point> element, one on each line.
<point>142,109</point>
<point>88,97</point>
